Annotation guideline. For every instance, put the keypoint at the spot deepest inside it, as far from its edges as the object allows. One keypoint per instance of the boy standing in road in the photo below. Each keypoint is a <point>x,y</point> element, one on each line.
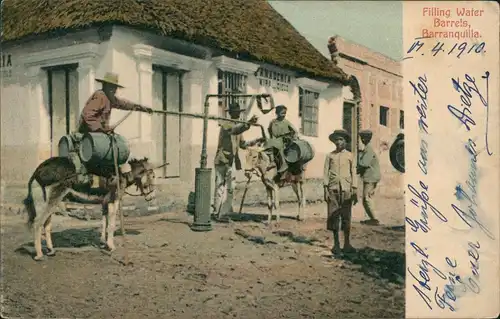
<point>340,190</point>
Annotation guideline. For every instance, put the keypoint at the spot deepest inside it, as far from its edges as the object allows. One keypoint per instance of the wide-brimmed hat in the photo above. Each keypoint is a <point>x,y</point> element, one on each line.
<point>366,133</point>
<point>281,107</point>
<point>341,133</point>
<point>110,78</point>
<point>234,107</point>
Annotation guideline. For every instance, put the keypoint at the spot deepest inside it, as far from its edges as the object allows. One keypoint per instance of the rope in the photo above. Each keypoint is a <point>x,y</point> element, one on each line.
<point>118,203</point>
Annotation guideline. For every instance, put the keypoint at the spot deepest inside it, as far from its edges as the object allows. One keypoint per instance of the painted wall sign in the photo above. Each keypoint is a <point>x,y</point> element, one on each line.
<point>6,65</point>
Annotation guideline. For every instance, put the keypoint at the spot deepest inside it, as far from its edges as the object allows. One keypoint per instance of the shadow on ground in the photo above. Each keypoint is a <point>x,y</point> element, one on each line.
<point>73,238</point>
<point>175,221</point>
<point>251,217</point>
<point>380,264</point>
<point>397,228</point>
<point>296,239</point>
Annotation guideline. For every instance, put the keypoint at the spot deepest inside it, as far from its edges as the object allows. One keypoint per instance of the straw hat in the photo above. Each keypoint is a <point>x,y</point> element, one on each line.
<point>110,78</point>
<point>366,133</point>
<point>234,107</point>
<point>341,133</point>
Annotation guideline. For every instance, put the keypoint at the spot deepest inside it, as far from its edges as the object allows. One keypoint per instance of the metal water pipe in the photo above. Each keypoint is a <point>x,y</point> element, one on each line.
<point>203,175</point>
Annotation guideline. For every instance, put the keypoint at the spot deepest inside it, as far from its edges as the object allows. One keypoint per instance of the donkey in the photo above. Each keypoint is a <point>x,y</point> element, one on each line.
<point>59,176</point>
<point>261,164</point>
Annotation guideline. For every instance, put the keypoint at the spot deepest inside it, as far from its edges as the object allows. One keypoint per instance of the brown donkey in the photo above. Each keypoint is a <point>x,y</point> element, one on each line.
<point>60,177</point>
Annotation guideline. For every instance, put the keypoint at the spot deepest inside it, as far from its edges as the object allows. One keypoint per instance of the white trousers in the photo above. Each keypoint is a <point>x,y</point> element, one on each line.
<point>223,193</point>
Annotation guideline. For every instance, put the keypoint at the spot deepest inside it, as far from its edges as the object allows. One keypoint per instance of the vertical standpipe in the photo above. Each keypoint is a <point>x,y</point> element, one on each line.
<point>202,184</point>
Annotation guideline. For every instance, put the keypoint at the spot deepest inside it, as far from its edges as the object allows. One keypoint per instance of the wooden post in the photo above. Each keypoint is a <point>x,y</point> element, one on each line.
<point>118,199</point>
<point>355,131</point>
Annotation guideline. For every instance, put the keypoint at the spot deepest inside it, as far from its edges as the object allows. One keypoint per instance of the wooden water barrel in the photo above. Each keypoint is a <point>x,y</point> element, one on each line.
<point>68,144</point>
<point>397,153</point>
<point>96,149</point>
<point>299,151</point>
<point>65,146</point>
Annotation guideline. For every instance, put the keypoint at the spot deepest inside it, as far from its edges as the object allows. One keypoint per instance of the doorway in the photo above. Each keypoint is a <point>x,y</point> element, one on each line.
<point>62,87</point>
<point>167,95</point>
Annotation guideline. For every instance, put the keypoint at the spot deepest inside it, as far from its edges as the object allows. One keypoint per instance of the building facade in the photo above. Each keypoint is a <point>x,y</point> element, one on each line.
<point>49,79</point>
<point>381,108</point>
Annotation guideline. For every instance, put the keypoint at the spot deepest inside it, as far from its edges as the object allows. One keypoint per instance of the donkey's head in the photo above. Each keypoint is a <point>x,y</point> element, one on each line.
<point>257,156</point>
<point>143,175</point>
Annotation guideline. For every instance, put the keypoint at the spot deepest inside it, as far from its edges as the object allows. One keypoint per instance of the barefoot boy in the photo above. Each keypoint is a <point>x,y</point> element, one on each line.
<point>340,190</point>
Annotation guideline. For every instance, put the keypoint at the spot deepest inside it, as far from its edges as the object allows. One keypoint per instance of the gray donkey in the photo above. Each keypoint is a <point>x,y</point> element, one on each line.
<point>259,163</point>
<point>59,176</point>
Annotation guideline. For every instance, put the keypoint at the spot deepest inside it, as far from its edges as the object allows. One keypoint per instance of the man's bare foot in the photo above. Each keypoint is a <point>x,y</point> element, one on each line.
<point>51,252</point>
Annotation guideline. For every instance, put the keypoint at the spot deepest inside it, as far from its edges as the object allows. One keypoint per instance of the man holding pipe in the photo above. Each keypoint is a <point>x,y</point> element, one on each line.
<point>97,111</point>
<point>230,141</point>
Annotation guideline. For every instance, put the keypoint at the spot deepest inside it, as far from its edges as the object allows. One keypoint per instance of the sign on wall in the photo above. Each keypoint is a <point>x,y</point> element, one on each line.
<point>6,66</point>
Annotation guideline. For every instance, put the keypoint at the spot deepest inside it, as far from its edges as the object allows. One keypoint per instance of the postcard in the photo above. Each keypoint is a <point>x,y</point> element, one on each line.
<point>249,159</point>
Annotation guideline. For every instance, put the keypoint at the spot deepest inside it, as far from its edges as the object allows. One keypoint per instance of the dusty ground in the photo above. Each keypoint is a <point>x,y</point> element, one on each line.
<point>177,273</point>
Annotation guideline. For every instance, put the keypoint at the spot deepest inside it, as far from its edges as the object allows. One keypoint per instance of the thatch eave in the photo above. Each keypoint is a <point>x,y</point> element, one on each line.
<point>249,28</point>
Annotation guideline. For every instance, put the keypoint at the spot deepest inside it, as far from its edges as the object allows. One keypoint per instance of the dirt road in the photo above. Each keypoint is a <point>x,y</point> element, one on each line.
<point>238,270</point>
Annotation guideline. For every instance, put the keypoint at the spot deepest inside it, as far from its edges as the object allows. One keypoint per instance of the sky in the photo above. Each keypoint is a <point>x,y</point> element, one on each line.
<point>374,24</point>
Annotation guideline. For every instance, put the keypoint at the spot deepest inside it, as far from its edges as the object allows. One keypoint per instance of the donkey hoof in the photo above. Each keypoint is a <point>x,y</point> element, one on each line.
<point>110,248</point>
<point>39,258</point>
<point>51,252</point>
<point>299,219</point>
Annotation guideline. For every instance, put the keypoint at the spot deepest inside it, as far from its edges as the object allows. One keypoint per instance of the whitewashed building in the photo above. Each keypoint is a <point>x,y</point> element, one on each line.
<point>54,57</point>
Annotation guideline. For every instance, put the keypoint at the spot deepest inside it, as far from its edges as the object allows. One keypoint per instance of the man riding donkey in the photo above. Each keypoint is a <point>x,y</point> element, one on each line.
<point>340,190</point>
<point>97,111</point>
<point>281,132</point>
<point>60,174</point>
<point>230,141</point>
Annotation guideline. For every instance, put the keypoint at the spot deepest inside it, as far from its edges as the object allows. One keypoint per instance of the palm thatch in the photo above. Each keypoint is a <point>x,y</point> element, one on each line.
<point>251,29</point>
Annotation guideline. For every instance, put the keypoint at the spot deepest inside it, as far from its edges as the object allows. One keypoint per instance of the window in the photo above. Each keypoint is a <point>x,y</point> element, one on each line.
<point>167,96</point>
<point>308,112</point>
<point>62,93</point>
<point>276,80</point>
<point>230,83</point>
<point>384,115</point>
<point>401,119</point>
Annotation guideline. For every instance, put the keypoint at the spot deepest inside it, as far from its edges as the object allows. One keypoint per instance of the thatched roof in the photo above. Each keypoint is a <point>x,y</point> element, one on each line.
<point>251,29</point>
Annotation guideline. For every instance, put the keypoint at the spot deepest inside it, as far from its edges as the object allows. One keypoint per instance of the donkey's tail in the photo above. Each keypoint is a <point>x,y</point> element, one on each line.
<point>29,203</point>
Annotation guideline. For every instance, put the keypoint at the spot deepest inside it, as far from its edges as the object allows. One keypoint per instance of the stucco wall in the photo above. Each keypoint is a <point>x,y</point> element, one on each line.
<point>25,128</point>
<point>26,132</point>
<point>380,79</point>
<point>200,82</point>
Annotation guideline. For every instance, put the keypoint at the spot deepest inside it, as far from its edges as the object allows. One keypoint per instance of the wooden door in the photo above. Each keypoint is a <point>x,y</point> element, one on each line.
<point>63,102</point>
<point>167,95</point>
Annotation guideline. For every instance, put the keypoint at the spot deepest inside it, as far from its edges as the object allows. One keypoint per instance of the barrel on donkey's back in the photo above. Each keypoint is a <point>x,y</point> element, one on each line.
<point>96,149</point>
<point>299,152</point>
